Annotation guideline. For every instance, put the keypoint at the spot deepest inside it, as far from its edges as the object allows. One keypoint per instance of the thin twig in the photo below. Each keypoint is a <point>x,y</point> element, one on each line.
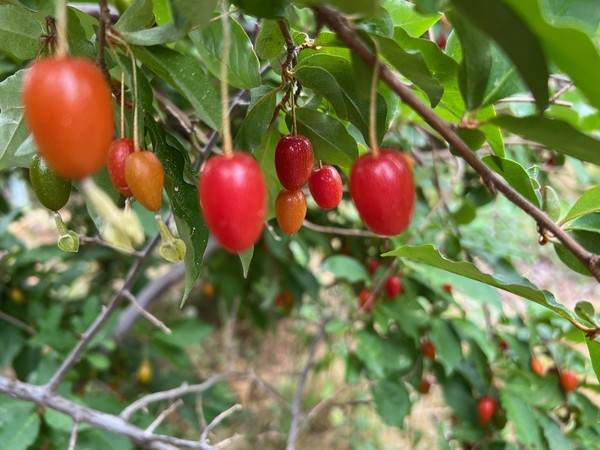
<point>16,322</point>
<point>532,100</point>
<point>296,403</point>
<point>73,438</point>
<point>338,230</point>
<point>102,243</point>
<point>103,25</point>
<point>561,91</point>
<point>163,415</point>
<point>217,420</point>
<point>340,26</point>
<point>151,318</point>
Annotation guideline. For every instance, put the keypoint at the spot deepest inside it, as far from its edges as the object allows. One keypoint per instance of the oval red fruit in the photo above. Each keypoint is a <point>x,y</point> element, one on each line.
<point>145,177</point>
<point>568,381</point>
<point>325,185</point>
<point>393,286</point>
<point>233,198</point>
<point>118,152</point>
<point>486,409</point>
<point>428,349</point>
<point>372,266</point>
<point>364,302</point>
<point>383,190</point>
<point>290,209</point>
<point>68,107</point>
<point>536,366</point>
<point>293,161</point>
<point>425,385</point>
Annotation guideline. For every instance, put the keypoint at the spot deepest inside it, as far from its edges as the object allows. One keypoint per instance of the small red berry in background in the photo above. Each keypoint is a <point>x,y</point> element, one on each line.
<point>447,288</point>
<point>536,366</point>
<point>363,300</point>
<point>325,186</point>
<point>428,349</point>
<point>568,381</point>
<point>393,286</point>
<point>293,161</point>
<point>503,345</point>
<point>284,299</point>
<point>372,266</point>
<point>425,385</point>
<point>486,409</point>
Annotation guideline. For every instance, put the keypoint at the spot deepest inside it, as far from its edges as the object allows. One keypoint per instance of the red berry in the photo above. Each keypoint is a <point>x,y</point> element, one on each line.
<point>503,345</point>
<point>425,385</point>
<point>372,266</point>
<point>119,150</point>
<point>428,349</point>
<point>486,408</point>
<point>568,381</point>
<point>325,185</point>
<point>447,288</point>
<point>233,198</point>
<point>284,299</point>
<point>536,366</point>
<point>393,286</point>
<point>293,161</point>
<point>145,177</point>
<point>383,190</point>
<point>68,107</point>
<point>364,302</point>
<point>290,209</point>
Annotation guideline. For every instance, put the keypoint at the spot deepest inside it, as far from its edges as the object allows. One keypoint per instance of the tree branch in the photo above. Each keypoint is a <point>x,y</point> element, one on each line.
<point>339,25</point>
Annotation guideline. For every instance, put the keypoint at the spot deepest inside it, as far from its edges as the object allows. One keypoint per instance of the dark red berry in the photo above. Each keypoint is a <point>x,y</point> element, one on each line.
<point>293,161</point>
<point>364,302</point>
<point>118,152</point>
<point>393,286</point>
<point>325,185</point>
<point>428,349</point>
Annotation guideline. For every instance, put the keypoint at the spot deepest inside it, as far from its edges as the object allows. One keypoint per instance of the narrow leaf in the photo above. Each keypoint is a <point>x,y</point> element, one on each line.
<point>515,175</point>
<point>519,413</point>
<point>588,203</point>
<point>391,401</point>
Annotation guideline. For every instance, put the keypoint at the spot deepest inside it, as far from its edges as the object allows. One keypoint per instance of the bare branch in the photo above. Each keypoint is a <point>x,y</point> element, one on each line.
<point>73,438</point>
<point>163,415</point>
<point>340,26</point>
<point>339,231</point>
<point>296,403</point>
<point>16,322</point>
<point>217,420</point>
<point>152,319</point>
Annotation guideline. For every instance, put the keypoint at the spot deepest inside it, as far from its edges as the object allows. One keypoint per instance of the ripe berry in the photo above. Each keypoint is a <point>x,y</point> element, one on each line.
<point>290,209</point>
<point>52,190</point>
<point>118,152</point>
<point>208,289</point>
<point>68,107</point>
<point>364,303</point>
<point>293,161</point>
<point>428,349</point>
<point>447,288</point>
<point>393,286</point>
<point>383,190</point>
<point>536,366</point>
<point>486,408</point>
<point>325,185</point>
<point>372,266</point>
<point>145,177</point>
<point>568,381</point>
<point>425,385</point>
<point>503,345</point>
<point>284,300</point>
<point>233,198</point>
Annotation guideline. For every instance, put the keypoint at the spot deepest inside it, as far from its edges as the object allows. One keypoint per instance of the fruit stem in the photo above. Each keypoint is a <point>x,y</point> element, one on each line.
<point>320,164</point>
<point>122,105</point>
<point>373,106</point>
<point>136,138</point>
<point>60,224</point>
<point>61,29</point>
<point>227,142</point>
<point>293,97</point>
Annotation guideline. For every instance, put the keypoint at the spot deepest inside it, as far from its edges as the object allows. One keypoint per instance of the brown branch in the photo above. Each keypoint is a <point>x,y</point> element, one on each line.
<point>16,322</point>
<point>104,24</point>
<point>340,26</point>
<point>339,231</point>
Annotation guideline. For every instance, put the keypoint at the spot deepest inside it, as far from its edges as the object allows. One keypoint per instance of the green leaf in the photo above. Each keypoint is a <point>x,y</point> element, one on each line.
<point>269,42</point>
<point>246,259</point>
<point>345,268</point>
<point>155,35</point>
<point>588,203</point>
<point>138,16</point>
<point>20,423</point>
<point>184,333</point>
<point>588,240</point>
<point>332,77</point>
<point>404,15</point>
<point>96,439</point>
<point>554,435</point>
<point>566,47</point>
<point>551,203</point>
<point>594,349</point>
<point>515,175</point>
<point>522,287</point>
<point>446,343</point>
<point>331,141</point>
<point>589,222</point>
<point>580,13</point>
<point>476,65</point>
<point>16,143</point>
<point>242,67</point>
<point>184,75</point>
<point>383,357</point>
<point>20,32</point>
<point>257,120</point>
<point>192,13</point>
<point>494,18</point>
<point>265,155</point>
<point>585,311</point>
<point>391,401</point>
<point>519,413</point>
<point>554,134</point>
<point>273,9</point>
<point>412,66</point>
<point>358,7</point>
<point>184,200</point>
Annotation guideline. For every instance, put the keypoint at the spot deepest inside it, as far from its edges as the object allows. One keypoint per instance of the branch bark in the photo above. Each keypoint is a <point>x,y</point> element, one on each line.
<point>348,35</point>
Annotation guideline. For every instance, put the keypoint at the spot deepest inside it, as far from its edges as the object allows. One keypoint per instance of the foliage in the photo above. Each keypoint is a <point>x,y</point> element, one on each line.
<point>482,66</point>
